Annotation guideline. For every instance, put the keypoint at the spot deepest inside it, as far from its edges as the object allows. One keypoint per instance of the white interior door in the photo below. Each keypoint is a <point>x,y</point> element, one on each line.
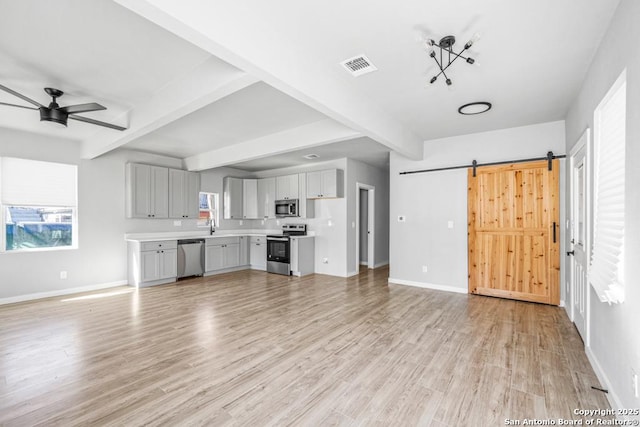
<point>579,221</point>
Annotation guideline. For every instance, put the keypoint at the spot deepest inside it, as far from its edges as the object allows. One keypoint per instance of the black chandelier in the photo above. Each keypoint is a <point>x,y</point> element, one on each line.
<point>447,54</point>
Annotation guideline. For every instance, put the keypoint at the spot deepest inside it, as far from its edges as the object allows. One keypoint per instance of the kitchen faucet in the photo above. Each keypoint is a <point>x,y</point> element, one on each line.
<point>212,228</point>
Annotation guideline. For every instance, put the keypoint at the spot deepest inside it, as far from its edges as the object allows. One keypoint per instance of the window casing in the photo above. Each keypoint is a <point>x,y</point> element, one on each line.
<point>38,205</point>
<point>209,210</point>
<point>606,270</point>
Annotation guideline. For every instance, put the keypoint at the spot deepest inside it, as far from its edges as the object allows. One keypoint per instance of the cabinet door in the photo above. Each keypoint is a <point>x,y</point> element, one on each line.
<point>314,185</point>
<point>177,195</point>
<point>213,258</point>
<point>258,255</point>
<point>295,244</point>
<point>149,266</point>
<point>159,192</point>
<point>244,251</point>
<point>232,200</point>
<point>184,191</point>
<point>287,187</point>
<point>231,255</point>
<point>329,183</point>
<point>192,199</point>
<point>168,263</point>
<point>138,191</point>
<point>266,198</point>
<point>250,198</point>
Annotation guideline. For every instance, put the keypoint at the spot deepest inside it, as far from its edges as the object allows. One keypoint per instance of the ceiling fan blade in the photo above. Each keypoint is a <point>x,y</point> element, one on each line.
<point>19,106</point>
<point>21,96</point>
<point>96,122</point>
<point>82,108</point>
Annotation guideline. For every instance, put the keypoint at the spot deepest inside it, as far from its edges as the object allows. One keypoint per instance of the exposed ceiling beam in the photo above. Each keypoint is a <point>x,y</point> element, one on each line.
<point>207,83</point>
<point>248,41</point>
<point>318,133</point>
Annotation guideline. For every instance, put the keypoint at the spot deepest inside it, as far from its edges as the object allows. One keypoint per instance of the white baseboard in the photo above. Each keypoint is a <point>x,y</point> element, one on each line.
<point>612,397</point>
<point>381,264</point>
<point>561,303</point>
<point>60,292</point>
<point>428,286</point>
<point>351,274</point>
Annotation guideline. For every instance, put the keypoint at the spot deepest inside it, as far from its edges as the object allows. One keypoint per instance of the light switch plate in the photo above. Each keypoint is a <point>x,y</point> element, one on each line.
<point>449,224</point>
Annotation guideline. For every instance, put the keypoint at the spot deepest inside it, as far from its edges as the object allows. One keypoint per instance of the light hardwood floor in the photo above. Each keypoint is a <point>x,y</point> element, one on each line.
<point>251,349</point>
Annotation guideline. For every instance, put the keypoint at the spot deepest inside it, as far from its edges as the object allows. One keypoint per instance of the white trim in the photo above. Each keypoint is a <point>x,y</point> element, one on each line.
<point>381,264</point>
<point>60,292</point>
<point>351,274</point>
<point>583,144</point>
<point>371,192</point>
<point>612,397</point>
<point>445,288</point>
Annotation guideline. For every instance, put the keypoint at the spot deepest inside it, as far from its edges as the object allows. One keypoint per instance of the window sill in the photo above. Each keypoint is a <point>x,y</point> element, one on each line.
<point>31,250</point>
<point>614,294</point>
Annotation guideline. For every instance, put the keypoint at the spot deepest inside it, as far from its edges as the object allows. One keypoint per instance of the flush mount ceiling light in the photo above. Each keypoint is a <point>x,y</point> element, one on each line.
<point>474,108</point>
<point>311,156</point>
<point>447,55</point>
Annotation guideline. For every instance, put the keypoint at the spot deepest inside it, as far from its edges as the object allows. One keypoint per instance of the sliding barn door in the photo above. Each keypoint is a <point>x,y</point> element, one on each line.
<point>514,233</point>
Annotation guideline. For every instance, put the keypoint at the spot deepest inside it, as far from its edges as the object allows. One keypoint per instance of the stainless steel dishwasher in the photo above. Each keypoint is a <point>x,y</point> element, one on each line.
<point>190,257</point>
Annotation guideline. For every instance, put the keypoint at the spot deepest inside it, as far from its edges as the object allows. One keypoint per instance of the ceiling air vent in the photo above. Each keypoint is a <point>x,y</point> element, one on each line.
<point>311,156</point>
<point>358,65</point>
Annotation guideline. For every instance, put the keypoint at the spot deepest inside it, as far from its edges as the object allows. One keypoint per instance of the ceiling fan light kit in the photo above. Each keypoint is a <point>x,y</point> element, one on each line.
<point>473,108</point>
<point>447,55</point>
<point>60,115</point>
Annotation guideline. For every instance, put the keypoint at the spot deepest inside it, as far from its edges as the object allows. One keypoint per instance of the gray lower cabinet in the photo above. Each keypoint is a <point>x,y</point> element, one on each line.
<point>258,252</point>
<point>221,253</point>
<point>302,256</point>
<point>152,263</point>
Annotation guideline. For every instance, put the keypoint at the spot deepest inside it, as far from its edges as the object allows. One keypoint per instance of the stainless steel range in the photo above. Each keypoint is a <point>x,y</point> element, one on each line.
<point>279,248</point>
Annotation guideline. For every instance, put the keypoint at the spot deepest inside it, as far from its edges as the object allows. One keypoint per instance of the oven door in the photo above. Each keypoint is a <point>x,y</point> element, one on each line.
<point>278,249</point>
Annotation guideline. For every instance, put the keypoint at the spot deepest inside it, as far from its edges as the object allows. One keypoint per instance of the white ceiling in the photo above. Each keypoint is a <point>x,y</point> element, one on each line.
<point>209,76</point>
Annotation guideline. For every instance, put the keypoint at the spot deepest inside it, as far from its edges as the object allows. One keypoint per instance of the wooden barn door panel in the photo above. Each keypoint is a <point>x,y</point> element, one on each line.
<point>512,211</point>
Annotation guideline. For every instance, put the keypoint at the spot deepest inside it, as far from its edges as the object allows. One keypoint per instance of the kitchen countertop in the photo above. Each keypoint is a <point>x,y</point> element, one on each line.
<point>177,235</point>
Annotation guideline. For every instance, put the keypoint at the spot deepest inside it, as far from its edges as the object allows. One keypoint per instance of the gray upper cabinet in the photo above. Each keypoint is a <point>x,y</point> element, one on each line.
<point>184,190</point>
<point>232,198</point>
<point>250,198</point>
<point>147,191</point>
<point>325,184</point>
<point>287,187</point>
<point>266,198</point>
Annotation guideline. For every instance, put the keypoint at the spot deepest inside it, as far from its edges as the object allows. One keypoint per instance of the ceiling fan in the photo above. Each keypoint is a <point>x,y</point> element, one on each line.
<point>57,114</point>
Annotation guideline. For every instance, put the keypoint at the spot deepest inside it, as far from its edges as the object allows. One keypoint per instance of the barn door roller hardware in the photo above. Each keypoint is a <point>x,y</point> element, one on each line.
<point>474,165</point>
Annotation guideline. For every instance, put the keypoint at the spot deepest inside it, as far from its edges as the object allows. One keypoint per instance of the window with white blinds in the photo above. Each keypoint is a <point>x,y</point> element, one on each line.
<point>606,271</point>
<point>38,204</point>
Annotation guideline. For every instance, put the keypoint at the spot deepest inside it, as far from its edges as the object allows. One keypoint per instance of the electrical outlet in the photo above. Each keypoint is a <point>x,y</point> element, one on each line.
<point>325,260</point>
<point>241,222</point>
<point>449,224</point>
<point>177,223</point>
<point>424,269</point>
<point>63,275</point>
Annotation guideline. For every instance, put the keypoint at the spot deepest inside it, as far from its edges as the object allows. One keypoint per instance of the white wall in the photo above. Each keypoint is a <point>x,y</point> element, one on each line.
<point>615,340</point>
<point>329,222</point>
<point>430,200</point>
<point>358,172</point>
<point>100,259</point>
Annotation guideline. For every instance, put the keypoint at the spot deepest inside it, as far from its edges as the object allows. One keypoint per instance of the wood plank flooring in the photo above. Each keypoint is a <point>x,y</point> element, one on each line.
<point>252,349</point>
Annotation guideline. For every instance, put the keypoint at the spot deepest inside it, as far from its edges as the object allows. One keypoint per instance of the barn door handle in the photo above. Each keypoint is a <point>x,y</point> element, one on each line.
<point>554,232</point>
<point>570,253</point>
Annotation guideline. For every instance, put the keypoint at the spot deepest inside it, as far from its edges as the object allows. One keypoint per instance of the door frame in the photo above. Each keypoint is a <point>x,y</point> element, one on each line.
<point>584,142</point>
<point>371,224</point>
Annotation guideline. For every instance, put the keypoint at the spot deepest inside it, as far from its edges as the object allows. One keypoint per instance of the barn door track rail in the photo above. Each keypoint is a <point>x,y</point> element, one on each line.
<point>549,158</point>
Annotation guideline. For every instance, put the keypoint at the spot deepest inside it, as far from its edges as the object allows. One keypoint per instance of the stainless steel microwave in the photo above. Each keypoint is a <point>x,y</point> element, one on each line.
<point>286,208</point>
